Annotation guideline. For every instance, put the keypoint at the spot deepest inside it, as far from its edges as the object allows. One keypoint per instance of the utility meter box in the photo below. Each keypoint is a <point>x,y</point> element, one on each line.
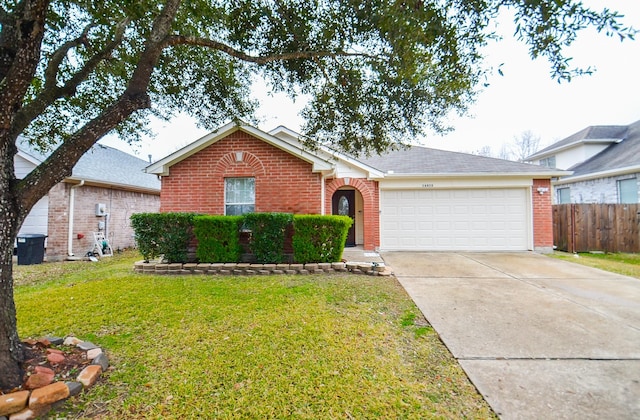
<point>101,209</point>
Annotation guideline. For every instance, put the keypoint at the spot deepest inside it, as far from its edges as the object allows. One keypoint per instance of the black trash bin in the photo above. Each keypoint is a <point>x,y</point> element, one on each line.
<point>30,248</point>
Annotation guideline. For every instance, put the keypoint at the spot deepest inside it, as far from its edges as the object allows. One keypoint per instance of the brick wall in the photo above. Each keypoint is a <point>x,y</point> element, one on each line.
<point>120,205</point>
<point>371,211</point>
<point>598,191</point>
<point>284,183</point>
<point>542,216</point>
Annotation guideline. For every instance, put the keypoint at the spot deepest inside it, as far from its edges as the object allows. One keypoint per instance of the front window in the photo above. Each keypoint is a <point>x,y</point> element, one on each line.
<point>564,195</point>
<point>239,196</point>
<point>628,191</point>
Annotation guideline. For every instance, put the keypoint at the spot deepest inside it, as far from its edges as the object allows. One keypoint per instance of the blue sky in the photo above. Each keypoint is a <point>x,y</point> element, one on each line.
<point>524,98</point>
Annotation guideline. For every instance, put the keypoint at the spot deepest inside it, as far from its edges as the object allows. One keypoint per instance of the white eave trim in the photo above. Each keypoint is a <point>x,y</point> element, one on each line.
<point>372,173</point>
<point>532,175</point>
<point>596,175</point>
<point>551,152</point>
<point>112,185</point>
<point>26,156</point>
<point>162,166</point>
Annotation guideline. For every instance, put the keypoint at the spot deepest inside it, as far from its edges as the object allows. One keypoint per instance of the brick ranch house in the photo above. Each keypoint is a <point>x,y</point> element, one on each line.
<point>105,188</point>
<point>415,199</point>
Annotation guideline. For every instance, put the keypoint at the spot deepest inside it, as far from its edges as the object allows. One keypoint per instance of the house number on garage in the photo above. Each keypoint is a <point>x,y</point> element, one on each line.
<point>427,185</point>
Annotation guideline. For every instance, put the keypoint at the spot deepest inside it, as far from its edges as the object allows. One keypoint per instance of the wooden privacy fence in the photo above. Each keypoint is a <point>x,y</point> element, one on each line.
<point>596,227</point>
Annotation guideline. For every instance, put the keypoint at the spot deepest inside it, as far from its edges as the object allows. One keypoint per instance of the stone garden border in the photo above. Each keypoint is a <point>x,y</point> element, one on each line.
<point>34,403</point>
<point>369,268</point>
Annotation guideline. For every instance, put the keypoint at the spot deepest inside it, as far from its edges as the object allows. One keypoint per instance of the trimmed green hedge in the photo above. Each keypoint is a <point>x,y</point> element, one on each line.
<point>315,239</point>
<point>218,239</point>
<point>165,234</point>
<point>267,235</point>
<point>319,238</point>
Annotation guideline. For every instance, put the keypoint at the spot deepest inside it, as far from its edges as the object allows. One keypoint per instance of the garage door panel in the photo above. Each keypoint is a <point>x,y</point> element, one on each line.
<point>472,219</point>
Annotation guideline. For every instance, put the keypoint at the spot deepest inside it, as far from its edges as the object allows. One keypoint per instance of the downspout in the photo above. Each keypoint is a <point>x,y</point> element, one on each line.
<point>323,190</point>
<point>72,195</point>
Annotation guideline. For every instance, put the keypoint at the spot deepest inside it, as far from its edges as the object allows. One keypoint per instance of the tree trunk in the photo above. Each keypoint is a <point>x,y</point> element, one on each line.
<point>11,352</point>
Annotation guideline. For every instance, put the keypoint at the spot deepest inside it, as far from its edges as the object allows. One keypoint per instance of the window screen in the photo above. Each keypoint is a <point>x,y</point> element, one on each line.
<point>239,196</point>
<point>628,191</point>
<point>564,195</point>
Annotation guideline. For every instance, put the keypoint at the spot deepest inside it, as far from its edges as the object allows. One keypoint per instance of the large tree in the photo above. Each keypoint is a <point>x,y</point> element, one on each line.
<point>378,72</point>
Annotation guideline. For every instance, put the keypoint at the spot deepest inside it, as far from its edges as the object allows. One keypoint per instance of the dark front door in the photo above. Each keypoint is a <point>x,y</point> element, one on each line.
<point>344,204</point>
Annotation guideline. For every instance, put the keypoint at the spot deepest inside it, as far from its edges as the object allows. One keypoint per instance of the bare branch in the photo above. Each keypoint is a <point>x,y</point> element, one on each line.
<point>296,55</point>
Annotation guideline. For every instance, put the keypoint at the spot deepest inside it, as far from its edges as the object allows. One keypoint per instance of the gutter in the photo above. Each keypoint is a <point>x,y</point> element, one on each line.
<point>595,175</point>
<point>72,196</point>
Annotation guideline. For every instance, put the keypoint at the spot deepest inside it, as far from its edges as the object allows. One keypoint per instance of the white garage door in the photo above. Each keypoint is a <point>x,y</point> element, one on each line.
<point>454,220</point>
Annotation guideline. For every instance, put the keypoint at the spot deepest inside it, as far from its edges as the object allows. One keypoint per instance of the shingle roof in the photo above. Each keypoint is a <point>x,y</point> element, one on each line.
<point>595,132</point>
<point>618,155</point>
<point>105,165</point>
<point>423,160</point>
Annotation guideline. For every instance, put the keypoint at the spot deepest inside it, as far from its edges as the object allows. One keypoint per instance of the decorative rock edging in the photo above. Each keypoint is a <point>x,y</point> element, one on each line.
<point>31,404</point>
<point>373,269</point>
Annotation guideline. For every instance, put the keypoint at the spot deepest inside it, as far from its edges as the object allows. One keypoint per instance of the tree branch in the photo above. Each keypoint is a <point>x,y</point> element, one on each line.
<point>296,55</point>
<point>51,73</point>
<point>5,17</point>
<point>52,91</point>
<point>135,97</point>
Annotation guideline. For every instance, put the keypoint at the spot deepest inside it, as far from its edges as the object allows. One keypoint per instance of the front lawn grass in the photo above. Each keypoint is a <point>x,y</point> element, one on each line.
<point>621,263</point>
<point>308,347</point>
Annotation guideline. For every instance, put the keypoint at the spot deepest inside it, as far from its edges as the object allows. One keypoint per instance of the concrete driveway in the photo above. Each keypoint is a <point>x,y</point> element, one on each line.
<point>539,337</point>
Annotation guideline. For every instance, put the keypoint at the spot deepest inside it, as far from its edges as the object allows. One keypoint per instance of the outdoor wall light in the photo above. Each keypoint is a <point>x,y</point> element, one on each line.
<point>543,190</point>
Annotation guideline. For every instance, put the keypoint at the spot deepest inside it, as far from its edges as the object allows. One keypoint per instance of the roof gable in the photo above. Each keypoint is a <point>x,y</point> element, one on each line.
<point>597,134</point>
<point>287,144</point>
<point>619,156</point>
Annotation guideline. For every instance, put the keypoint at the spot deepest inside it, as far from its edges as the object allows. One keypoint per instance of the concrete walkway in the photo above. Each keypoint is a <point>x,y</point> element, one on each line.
<point>539,337</point>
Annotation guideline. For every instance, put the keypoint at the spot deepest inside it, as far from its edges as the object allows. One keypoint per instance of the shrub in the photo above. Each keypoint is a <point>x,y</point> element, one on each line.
<point>218,239</point>
<point>146,227</point>
<point>165,234</point>
<point>267,235</point>
<point>319,238</point>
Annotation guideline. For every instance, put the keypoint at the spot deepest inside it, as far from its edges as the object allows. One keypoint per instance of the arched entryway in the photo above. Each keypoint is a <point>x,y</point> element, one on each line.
<point>349,202</point>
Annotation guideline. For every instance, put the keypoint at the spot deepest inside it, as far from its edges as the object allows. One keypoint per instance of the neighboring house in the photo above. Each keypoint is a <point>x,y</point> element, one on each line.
<point>605,161</point>
<point>414,199</point>
<point>105,188</point>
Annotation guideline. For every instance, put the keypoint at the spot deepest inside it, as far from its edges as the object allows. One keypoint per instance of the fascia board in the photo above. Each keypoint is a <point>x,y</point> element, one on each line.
<point>372,173</point>
<point>111,185</point>
<point>596,175</point>
<point>571,145</point>
<point>319,164</point>
<point>28,157</point>
<point>162,166</point>
<point>532,175</point>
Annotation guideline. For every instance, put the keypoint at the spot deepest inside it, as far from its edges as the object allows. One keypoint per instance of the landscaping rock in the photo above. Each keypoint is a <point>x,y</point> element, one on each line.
<point>93,353</point>
<point>74,387</point>
<point>86,345</point>
<point>38,380</point>
<point>14,402</point>
<point>55,358</point>
<point>44,341</point>
<point>29,414</point>
<point>101,360</point>
<point>44,397</point>
<point>71,341</point>
<point>89,375</point>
